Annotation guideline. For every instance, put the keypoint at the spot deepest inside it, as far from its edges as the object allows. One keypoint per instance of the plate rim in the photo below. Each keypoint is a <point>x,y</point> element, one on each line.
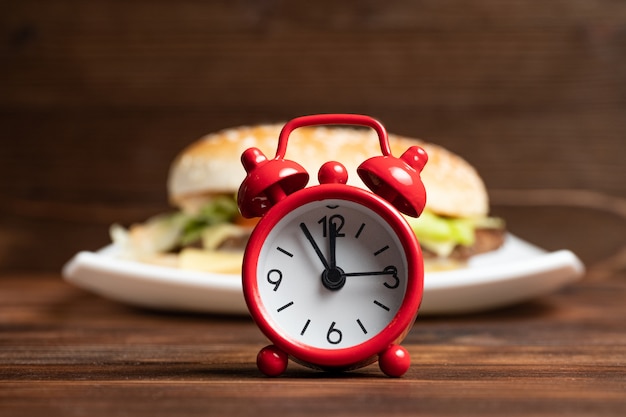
<point>558,268</point>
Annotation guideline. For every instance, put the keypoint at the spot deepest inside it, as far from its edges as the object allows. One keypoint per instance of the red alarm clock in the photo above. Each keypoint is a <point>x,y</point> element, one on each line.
<point>333,274</point>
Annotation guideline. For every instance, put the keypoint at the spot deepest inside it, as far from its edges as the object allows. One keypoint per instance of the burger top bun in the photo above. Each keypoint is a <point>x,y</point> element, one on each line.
<point>212,164</point>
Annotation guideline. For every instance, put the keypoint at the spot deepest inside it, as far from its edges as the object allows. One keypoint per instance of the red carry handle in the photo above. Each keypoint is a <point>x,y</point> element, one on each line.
<point>332,119</point>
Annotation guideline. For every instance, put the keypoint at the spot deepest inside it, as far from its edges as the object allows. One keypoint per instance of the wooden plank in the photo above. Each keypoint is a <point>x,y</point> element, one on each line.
<point>196,54</point>
<point>71,352</point>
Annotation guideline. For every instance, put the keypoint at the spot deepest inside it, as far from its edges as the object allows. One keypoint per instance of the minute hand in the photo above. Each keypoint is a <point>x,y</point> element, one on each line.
<point>319,253</point>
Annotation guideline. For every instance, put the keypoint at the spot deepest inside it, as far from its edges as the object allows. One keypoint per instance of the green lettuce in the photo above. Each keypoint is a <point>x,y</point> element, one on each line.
<point>177,229</point>
<point>221,209</point>
<point>432,227</point>
<point>442,234</point>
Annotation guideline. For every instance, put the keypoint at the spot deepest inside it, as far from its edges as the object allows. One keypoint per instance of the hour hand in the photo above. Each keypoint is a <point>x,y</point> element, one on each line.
<point>390,270</point>
<point>319,253</point>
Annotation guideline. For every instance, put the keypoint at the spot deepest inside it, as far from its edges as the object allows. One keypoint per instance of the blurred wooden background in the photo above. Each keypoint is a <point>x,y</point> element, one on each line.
<point>97,97</point>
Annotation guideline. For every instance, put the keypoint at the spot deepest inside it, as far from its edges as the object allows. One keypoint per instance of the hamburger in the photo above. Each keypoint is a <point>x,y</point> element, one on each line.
<point>206,232</point>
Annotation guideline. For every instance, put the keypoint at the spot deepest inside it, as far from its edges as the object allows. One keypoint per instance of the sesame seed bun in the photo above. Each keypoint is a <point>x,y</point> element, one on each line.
<point>212,164</point>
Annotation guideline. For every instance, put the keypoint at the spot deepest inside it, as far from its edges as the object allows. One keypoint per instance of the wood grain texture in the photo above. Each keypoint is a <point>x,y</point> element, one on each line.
<point>66,352</point>
<point>96,98</point>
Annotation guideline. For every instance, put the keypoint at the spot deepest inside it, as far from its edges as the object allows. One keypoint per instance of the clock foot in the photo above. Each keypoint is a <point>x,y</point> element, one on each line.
<point>271,361</point>
<point>394,361</point>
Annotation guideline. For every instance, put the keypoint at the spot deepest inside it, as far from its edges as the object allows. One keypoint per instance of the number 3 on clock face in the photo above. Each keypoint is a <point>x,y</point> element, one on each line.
<point>330,274</point>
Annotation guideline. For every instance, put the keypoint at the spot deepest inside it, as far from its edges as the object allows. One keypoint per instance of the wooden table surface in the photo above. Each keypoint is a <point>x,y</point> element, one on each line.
<point>67,352</point>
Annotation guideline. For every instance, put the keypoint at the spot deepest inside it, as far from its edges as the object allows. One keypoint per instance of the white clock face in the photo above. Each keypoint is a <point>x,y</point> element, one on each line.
<point>332,274</point>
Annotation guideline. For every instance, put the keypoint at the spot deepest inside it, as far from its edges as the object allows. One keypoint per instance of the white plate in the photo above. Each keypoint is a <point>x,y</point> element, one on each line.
<point>516,272</point>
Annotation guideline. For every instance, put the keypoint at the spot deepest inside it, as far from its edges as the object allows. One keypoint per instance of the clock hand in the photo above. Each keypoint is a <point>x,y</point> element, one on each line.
<point>390,270</point>
<point>309,237</point>
<point>333,244</point>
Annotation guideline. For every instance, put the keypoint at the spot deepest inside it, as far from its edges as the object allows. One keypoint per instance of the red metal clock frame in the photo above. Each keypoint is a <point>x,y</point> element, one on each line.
<point>366,352</point>
<point>274,188</point>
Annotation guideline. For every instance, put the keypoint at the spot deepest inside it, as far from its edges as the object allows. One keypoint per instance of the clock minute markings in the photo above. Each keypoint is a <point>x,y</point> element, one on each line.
<point>358,321</point>
<point>358,232</point>
<point>379,304</point>
<point>286,252</point>
<point>381,250</point>
<point>306,326</point>
<point>289,304</point>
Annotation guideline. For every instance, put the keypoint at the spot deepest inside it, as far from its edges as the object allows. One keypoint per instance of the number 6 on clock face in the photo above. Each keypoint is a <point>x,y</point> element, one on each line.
<point>333,277</point>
